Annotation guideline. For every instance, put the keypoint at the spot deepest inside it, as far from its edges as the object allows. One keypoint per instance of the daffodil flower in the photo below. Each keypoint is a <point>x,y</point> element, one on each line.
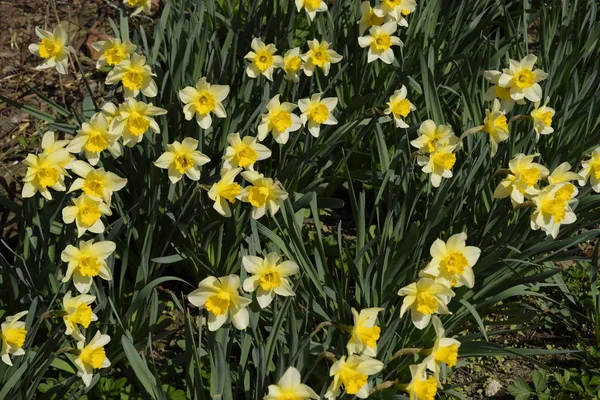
<point>542,119</point>
<point>220,297</point>
<point>91,357</point>
<point>496,126</point>
<point>52,48</point>
<point>86,262</point>
<point>93,138</point>
<point>110,112</point>
<point>263,59</point>
<point>135,118</point>
<point>225,191</point>
<point>445,350</point>
<point>45,171</point>
<point>523,181</point>
<point>263,194</point>
<point>182,158</point>
<point>432,137</point>
<point>202,100</point>
<point>590,169</point>
<point>498,92</point>
<point>553,209</point>
<point>78,312</point>
<point>353,373</point>
<point>279,121</point>
<point>86,213</point>
<point>424,298</point>
<point>290,387</point>
<point>244,152</point>
<point>317,111</point>
<point>292,64</point>
<point>135,75</point>
<point>399,107</point>
<point>368,18</point>
<point>563,174</point>
<point>395,10</point>
<point>113,51</point>
<point>50,144</point>
<point>268,277</point>
<point>421,386</point>
<point>452,261</point>
<point>13,335</point>
<point>365,333</point>
<point>522,80</point>
<point>312,7</point>
<point>319,55</point>
<point>380,41</point>
<point>439,163</point>
<point>97,184</point>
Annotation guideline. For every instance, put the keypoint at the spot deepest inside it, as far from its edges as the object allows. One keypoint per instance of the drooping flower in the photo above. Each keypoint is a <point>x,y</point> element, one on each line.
<point>445,350</point>
<point>225,191</point>
<point>263,194</point>
<point>522,79</point>
<point>496,126</point>
<point>498,92</point>
<point>113,51</point>
<point>424,298</point>
<point>395,10</point>
<point>52,48</point>
<point>380,41</point>
<point>93,138</point>
<point>319,55</point>
<point>523,181</point>
<point>140,6</point>
<point>279,121</point>
<point>135,75</point>
<point>45,171</point>
<point>399,107</point>
<point>263,59</point>
<point>202,100</point>
<point>292,64</point>
<point>439,163</point>
<point>78,312</point>
<point>290,387</point>
<point>87,261</point>
<point>553,209</point>
<point>244,152</point>
<point>91,357</point>
<point>13,335</point>
<point>353,373</point>
<point>135,118</point>
<point>97,184</point>
<point>86,213</point>
<point>317,111</point>
<point>268,277</point>
<point>365,333</point>
<point>432,137</point>
<point>368,18</point>
<point>542,119</point>
<point>590,169</point>
<point>312,7</point>
<point>182,158</point>
<point>220,297</point>
<point>421,386</point>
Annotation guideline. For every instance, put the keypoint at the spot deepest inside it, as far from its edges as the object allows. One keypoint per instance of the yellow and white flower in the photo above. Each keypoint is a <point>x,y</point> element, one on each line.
<point>13,335</point>
<point>368,18</point>
<point>380,41</point>
<point>439,163</point>
<point>399,107</point>
<point>91,357</point>
<point>263,194</point>
<point>319,55</point>
<point>140,6</point>
<point>78,312</point>
<point>395,10</point>
<point>182,158</point>
<point>113,51</point>
<point>424,298</point>
<point>45,171</point>
<point>292,64</point>
<point>563,174</point>
<point>317,111</point>
<point>312,7</point>
<point>86,213</point>
<point>93,138</point>
<point>244,152</point>
<point>432,137</point>
<point>52,48</point>
<point>202,100</point>
<point>421,386</point>
<point>365,333</point>
<point>86,262</point>
<point>590,169</point>
<point>553,209</point>
<point>220,297</point>
<point>290,387</point>
<point>498,92</point>
<point>225,191</point>
<point>110,112</point>
<point>445,350</point>
<point>97,184</point>
<point>263,59</point>
<point>135,75</point>
<point>522,79</point>
<point>353,373</point>
<point>50,144</point>
<point>279,121</point>
<point>135,118</point>
<point>523,181</point>
<point>496,126</point>
<point>542,119</point>
<point>268,278</point>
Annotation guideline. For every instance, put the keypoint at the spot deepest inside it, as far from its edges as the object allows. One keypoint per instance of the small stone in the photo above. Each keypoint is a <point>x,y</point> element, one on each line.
<point>492,388</point>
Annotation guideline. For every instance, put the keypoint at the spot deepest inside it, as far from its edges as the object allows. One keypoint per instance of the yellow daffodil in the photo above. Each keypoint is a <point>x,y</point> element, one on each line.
<point>317,111</point>
<point>496,126</point>
<point>91,357</point>
<point>202,100</point>
<point>263,59</point>
<point>498,92</point>
<point>445,350</point>
<point>97,184</point>
<point>563,174</point>
<point>553,209</point>
<point>182,158</point>
<point>380,41</point>
<point>244,152</point>
<point>523,181</point>
<point>135,118</point>
<point>590,169</point>
<point>220,297</point>
<point>399,107</point>
<point>110,112</point>
<point>279,121</point>
<point>268,277</point>
<point>452,261</point>
<point>424,298</point>
<point>93,138</point>
<point>78,312</point>
<point>292,64</point>
<point>135,75</point>
<point>50,144</point>
<point>140,6</point>
<point>432,137</point>
<point>439,163</point>
<point>365,333</point>
<point>395,10</point>
<point>542,119</point>
<point>421,386</point>
<point>263,194</point>
<point>290,387</point>
<point>319,55</point>
<point>44,172</point>
<point>113,51</point>
<point>312,7</point>
<point>86,262</point>
<point>522,80</point>
<point>86,213</point>
<point>225,191</point>
<point>52,48</point>
<point>13,335</point>
<point>353,373</point>
<point>368,18</point>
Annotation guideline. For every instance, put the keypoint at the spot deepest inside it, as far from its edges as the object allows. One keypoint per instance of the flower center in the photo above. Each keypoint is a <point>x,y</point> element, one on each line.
<point>292,64</point>
<point>280,120</point>
<point>137,124</point>
<point>49,48</point>
<point>115,55</point>
<point>47,176</point>
<point>426,389</point>
<point>381,42</point>
<point>289,395</point>
<point>229,191</point>
<point>205,102</point>
<point>565,193</point>
<point>595,164</point>
<point>258,195</point>
<point>502,93</point>
<point>263,60</point>
<point>133,79</point>
<point>89,266</point>
<point>218,304</point>
<point>270,279</point>
<point>529,176</point>
<point>556,208</point>
<point>318,112</point>
<point>426,303</point>
<point>525,78</point>
<point>14,337</point>
<point>392,3</point>
<point>444,160</point>
<point>93,357</point>
<point>93,187</point>
<point>89,213</point>
<point>447,355</point>
<point>373,19</point>
<point>401,107</point>
<point>96,142</point>
<point>352,379</point>
<point>455,263</point>
<point>493,124</point>
<point>182,162</point>
<point>320,57</point>
<point>311,4</point>
<point>405,12</point>
<point>544,118</point>
<point>368,336</point>
<point>245,155</point>
<point>81,315</point>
